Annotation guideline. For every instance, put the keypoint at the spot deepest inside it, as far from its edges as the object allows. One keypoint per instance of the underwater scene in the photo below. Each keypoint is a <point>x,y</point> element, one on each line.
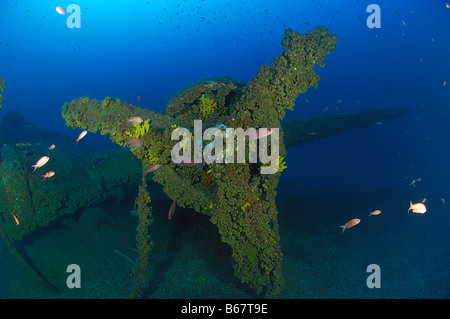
<point>201,149</point>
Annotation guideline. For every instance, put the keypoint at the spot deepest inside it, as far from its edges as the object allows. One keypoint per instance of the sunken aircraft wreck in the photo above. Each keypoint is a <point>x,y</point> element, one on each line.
<point>237,198</point>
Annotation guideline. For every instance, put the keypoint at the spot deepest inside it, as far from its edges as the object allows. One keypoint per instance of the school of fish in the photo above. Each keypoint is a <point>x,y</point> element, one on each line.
<point>133,142</point>
<point>418,208</point>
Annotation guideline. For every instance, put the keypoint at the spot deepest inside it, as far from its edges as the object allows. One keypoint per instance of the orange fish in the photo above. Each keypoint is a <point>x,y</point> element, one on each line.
<point>136,142</point>
<point>51,147</point>
<point>135,120</point>
<point>60,10</point>
<point>48,174</point>
<point>444,84</point>
<point>447,5</point>
<point>153,168</point>
<point>260,133</point>
<point>16,220</point>
<point>82,134</point>
<point>350,223</point>
<point>172,210</point>
<point>418,208</point>
<point>375,212</point>
<point>41,162</point>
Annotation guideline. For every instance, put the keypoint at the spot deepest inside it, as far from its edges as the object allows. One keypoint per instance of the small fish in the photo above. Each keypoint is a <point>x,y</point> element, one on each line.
<point>444,84</point>
<point>424,200</point>
<point>172,210</point>
<point>418,208</point>
<point>339,101</point>
<point>260,133</point>
<point>82,134</point>
<point>447,5</point>
<point>139,99</point>
<point>135,120</point>
<point>414,181</point>
<point>23,144</point>
<point>443,200</point>
<point>60,10</point>
<point>51,147</point>
<point>403,22</point>
<point>325,108</point>
<point>41,162</point>
<point>379,123</point>
<point>135,142</point>
<point>16,221</point>
<point>375,212</point>
<point>48,174</point>
<point>350,223</point>
<point>153,168</point>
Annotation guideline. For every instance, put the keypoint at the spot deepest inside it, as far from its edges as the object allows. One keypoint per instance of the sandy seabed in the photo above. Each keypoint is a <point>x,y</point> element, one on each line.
<point>189,261</point>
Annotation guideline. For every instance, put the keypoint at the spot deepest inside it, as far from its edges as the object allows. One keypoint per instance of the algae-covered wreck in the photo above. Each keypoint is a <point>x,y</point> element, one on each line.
<point>238,199</point>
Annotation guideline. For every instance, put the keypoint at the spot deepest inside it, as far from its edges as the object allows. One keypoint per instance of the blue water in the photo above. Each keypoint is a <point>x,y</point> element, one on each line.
<point>154,48</point>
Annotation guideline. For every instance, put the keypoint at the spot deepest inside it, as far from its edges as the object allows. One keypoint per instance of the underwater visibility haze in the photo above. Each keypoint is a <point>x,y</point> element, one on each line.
<point>339,189</point>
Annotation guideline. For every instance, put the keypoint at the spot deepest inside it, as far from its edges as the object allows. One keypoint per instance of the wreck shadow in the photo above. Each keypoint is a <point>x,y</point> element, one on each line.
<point>190,228</point>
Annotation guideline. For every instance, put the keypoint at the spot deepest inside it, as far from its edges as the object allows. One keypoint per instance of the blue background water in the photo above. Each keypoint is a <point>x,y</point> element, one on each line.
<point>152,49</point>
